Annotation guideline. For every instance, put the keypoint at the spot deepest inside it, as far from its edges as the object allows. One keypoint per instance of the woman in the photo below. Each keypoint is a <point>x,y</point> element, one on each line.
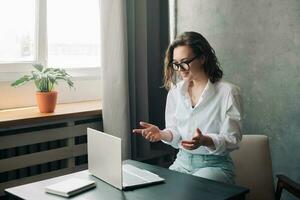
<point>203,113</point>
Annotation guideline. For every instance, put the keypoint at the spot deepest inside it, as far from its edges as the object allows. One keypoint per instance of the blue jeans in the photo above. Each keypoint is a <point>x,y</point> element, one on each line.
<point>214,167</point>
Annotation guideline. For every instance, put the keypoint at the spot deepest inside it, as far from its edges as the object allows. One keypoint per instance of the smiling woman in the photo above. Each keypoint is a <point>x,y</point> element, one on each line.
<point>203,113</point>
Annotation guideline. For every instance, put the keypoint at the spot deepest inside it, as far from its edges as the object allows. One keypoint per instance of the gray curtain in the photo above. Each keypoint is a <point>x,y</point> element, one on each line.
<point>115,98</point>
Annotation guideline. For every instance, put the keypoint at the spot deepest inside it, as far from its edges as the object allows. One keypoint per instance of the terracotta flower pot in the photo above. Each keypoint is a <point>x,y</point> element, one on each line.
<point>46,101</point>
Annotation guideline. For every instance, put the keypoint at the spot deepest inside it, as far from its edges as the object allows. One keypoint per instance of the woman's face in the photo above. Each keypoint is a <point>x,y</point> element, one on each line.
<point>183,54</point>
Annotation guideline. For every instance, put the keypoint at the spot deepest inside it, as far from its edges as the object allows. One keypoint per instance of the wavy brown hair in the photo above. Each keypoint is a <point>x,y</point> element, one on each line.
<point>200,47</point>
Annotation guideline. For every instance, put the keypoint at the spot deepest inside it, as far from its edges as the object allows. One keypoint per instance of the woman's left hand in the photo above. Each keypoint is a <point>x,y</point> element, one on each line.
<point>198,140</point>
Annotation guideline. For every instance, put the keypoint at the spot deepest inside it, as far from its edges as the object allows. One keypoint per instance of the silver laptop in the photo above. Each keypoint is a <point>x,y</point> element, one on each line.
<point>105,162</point>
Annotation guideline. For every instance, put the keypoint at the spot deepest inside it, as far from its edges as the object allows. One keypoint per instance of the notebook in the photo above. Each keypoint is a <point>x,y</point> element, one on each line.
<point>70,187</point>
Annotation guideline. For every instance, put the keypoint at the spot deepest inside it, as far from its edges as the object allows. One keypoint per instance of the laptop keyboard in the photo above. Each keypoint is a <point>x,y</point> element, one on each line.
<point>135,176</point>
<point>129,179</point>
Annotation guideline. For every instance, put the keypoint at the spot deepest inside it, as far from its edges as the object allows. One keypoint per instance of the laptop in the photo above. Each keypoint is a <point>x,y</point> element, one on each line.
<point>105,163</point>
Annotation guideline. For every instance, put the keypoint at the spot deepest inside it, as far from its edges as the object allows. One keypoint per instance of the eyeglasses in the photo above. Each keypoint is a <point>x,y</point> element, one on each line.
<point>183,66</point>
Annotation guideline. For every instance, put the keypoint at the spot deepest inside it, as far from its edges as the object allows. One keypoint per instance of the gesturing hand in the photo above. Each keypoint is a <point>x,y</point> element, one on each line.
<point>149,132</point>
<point>196,142</point>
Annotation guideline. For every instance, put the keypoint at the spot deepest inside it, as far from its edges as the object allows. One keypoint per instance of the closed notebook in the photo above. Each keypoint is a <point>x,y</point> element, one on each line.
<point>70,187</point>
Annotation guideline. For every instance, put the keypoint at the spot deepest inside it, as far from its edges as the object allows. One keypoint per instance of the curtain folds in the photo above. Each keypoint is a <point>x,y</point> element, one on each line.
<point>114,65</point>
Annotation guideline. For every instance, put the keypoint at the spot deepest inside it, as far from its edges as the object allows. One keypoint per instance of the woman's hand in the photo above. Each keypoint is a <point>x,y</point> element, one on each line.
<point>149,132</point>
<point>198,140</point>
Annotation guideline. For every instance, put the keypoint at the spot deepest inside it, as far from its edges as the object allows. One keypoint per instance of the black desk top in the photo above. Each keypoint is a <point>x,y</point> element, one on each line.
<point>176,186</point>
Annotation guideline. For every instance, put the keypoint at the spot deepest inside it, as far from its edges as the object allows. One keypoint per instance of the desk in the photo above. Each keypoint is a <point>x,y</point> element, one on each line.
<point>176,186</point>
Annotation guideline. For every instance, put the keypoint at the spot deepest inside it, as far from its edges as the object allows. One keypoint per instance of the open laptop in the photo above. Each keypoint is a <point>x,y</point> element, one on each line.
<point>105,162</point>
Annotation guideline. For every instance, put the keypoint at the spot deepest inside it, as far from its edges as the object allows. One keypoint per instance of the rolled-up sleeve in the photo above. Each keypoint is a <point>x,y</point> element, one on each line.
<point>231,131</point>
<point>171,121</point>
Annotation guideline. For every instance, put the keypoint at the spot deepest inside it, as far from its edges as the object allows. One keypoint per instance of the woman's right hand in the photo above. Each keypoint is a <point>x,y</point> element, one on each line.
<point>149,132</point>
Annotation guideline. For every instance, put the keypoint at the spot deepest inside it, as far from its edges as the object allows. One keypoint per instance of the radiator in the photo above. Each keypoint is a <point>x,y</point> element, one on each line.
<point>44,150</point>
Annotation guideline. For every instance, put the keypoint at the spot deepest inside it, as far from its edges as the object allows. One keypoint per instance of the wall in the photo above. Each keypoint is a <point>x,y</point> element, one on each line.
<point>24,96</point>
<point>258,45</point>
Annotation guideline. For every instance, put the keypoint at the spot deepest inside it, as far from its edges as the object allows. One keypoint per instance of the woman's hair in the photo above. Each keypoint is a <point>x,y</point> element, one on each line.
<point>200,47</point>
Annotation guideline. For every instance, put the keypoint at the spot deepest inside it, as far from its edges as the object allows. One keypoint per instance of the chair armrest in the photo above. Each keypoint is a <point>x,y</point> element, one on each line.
<point>288,184</point>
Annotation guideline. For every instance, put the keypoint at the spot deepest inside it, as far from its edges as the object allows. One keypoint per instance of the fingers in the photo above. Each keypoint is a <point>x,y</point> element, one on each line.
<point>148,135</point>
<point>188,146</point>
<point>140,131</point>
<point>148,131</point>
<point>145,124</point>
<point>151,137</point>
<point>188,142</point>
<point>146,127</point>
<point>197,133</point>
<point>143,130</point>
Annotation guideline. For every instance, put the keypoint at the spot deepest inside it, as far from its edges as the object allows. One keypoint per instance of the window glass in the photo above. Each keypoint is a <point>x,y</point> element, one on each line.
<point>73,33</point>
<point>18,31</point>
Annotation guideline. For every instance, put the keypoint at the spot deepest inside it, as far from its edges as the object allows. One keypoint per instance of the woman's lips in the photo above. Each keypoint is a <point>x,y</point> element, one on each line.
<point>184,73</point>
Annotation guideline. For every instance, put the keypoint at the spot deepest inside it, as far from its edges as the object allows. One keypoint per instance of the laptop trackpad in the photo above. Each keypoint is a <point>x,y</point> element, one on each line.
<point>135,176</point>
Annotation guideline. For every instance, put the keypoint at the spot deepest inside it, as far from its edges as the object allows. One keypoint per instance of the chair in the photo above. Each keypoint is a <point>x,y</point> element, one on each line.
<point>254,167</point>
<point>285,182</point>
<point>254,170</point>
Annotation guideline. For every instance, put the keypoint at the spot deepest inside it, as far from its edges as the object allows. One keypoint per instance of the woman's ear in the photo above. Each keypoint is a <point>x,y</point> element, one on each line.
<point>202,59</point>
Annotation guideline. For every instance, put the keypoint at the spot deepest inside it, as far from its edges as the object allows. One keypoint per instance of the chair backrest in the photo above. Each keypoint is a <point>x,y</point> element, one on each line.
<point>254,167</point>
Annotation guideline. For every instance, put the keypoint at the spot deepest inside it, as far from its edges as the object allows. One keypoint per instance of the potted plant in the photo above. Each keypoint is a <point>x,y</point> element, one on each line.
<point>45,79</point>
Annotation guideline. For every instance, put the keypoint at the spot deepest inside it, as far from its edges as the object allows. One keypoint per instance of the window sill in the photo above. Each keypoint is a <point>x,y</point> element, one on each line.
<point>29,115</point>
<point>88,73</point>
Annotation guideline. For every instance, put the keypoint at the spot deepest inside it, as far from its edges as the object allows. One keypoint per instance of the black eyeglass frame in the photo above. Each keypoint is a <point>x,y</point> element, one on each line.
<point>177,66</point>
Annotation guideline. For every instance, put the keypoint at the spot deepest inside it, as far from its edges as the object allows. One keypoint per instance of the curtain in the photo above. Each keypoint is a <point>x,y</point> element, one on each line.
<point>114,64</point>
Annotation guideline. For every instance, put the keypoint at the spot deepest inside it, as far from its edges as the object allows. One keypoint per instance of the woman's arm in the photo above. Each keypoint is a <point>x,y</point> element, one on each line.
<point>166,135</point>
<point>153,133</point>
<point>231,131</point>
<point>171,134</point>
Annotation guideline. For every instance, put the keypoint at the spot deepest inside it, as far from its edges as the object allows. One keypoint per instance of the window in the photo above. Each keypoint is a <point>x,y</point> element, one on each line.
<point>73,33</point>
<point>18,34</point>
<point>56,33</point>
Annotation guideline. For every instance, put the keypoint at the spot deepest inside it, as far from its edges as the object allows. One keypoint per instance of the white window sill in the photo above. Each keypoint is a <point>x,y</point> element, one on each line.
<point>88,73</point>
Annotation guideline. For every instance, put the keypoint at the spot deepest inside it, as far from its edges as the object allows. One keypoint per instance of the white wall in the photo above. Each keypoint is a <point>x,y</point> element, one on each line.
<point>24,96</point>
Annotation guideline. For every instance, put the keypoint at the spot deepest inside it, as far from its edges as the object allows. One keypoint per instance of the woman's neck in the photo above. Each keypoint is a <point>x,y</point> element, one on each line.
<point>199,83</point>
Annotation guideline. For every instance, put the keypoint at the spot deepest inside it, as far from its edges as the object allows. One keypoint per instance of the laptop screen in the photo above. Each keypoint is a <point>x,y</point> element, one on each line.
<point>105,157</point>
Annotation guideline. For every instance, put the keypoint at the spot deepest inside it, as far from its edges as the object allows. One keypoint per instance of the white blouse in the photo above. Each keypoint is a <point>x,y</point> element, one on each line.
<point>218,114</point>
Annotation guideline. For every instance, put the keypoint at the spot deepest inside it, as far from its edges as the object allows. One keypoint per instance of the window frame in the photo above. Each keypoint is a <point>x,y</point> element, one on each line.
<point>10,71</point>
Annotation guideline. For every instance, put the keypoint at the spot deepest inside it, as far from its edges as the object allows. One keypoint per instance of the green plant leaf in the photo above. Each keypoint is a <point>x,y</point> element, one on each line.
<point>39,67</point>
<point>21,81</point>
<point>45,78</point>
